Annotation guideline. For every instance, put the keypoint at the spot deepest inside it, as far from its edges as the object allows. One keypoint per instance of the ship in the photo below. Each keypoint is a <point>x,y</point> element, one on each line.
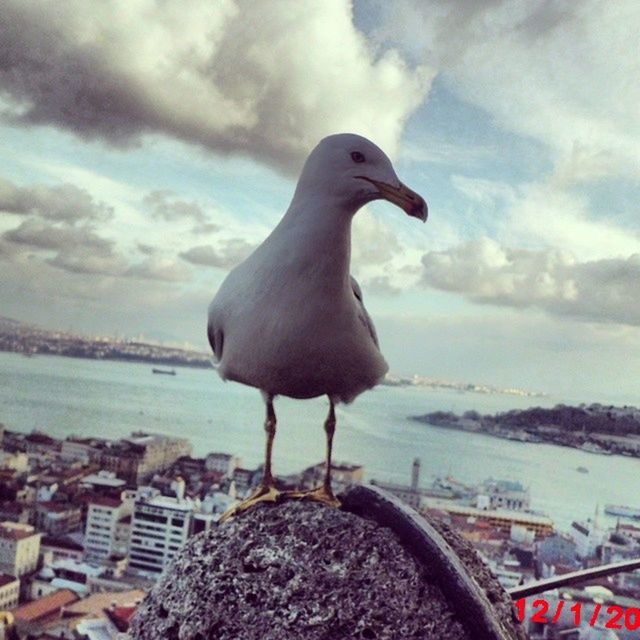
<point>623,511</point>
<point>166,372</point>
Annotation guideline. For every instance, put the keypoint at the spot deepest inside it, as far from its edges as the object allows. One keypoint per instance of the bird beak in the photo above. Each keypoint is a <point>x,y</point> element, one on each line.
<point>403,197</point>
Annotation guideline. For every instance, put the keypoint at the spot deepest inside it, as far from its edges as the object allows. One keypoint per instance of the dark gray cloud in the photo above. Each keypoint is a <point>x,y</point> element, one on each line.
<point>227,255</point>
<point>115,75</point>
<point>42,234</point>
<point>605,290</point>
<point>63,203</point>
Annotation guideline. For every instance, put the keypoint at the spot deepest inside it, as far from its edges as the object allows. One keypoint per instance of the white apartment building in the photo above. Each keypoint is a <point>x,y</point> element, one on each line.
<point>19,548</point>
<point>9,592</point>
<point>103,533</point>
<point>159,527</point>
<point>587,536</point>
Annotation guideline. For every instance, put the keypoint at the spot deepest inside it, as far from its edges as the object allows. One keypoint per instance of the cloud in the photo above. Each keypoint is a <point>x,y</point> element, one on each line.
<point>558,72</point>
<point>63,203</point>
<point>165,205</point>
<point>234,77</point>
<point>228,254</point>
<point>146,249</point>
<point>83,261</point>
<point>41,234</point>
<point>374,241</point>
<point>163,269</point>
<point>606,290</point>
<point>382,286</point>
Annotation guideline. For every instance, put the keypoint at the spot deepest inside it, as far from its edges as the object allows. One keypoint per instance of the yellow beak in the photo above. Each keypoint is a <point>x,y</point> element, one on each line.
<point>403,197</point>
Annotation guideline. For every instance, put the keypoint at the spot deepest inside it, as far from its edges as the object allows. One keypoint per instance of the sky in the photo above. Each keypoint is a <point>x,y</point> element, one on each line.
<point>147,146</point>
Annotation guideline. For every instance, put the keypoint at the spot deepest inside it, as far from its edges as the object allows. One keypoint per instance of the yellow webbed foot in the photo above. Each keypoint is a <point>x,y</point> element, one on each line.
<point>263,494</point>
<point>320,494</point>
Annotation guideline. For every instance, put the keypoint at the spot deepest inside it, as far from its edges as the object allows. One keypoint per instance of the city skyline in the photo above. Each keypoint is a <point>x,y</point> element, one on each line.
<point>144,159</point>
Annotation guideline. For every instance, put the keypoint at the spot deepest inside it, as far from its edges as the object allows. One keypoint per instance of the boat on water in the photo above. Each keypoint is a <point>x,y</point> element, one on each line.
<point>582,469</point>
<point>623,511</point>
<point>166,372</point>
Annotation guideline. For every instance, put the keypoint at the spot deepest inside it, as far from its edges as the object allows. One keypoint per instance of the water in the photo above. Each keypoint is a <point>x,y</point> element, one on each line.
<point>63,396</point>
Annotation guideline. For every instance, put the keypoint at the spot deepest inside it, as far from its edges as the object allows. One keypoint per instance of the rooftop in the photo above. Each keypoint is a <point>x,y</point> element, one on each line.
<point>16,531</point>
<point>6,579</point>
<point>105,501</point>
<point>57,507</point>
<point>166,502</point>
<point>44,607</point>
<point>61,543</point>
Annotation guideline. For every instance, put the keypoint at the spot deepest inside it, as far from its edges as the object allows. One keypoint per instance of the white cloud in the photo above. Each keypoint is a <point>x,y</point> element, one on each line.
<point>267,79</point>
<point>544,215</point>
<point>562,73</point>
<point>606,290</point>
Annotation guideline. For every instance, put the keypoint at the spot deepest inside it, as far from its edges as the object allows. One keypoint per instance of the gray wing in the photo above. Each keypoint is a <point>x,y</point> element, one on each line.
<point>362,312</point>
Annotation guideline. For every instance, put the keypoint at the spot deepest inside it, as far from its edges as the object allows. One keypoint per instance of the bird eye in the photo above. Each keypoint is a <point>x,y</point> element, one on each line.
<point>356,156</point>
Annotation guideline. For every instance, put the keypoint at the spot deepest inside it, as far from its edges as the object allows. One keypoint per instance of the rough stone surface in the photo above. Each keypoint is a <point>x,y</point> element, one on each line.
<point>298,570</point>
<point>498,597</point>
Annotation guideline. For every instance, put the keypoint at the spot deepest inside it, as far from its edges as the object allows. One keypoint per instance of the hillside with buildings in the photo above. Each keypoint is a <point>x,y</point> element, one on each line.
<point>596,428</point>
<point>31,340</point>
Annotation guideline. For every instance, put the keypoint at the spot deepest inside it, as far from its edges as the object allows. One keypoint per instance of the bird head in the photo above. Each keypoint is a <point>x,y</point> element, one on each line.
<point>355,171</point>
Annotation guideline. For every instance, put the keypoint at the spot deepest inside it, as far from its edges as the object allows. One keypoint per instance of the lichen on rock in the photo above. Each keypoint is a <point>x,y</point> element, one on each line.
<point>297,570</point>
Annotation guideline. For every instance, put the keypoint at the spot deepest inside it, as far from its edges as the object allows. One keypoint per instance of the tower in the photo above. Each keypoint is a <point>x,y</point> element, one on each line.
<point>415,474</point>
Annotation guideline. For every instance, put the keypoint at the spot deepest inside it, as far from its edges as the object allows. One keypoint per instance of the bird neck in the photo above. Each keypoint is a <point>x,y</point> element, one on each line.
<point>318,232</point>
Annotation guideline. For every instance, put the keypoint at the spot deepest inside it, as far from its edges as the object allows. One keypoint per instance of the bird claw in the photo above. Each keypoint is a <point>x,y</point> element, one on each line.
<point>320,494</point>
<point>263,494</point>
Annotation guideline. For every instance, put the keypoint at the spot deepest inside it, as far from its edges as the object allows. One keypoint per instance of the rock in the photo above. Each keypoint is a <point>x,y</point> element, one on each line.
<point>297,570</point>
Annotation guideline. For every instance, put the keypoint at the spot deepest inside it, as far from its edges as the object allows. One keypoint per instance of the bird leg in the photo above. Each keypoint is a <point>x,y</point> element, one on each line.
<point>323,493</point>
<point>266,491</point>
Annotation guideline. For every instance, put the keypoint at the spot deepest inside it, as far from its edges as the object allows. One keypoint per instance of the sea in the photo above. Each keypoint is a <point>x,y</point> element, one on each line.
<point>67,396</point>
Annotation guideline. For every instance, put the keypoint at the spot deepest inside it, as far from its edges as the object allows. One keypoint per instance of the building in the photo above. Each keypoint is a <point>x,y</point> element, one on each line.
<point>501,519</point>
<point>104,482</point>
<point>60,548</point>
<point>410,494</point>
<point>103,532</point>
<point>503,494</point>
<point>343,475</point>
<point>84,450</point>
<point>19,548</point>
<point>223,463</point>
<point>57,518</point>
<point>159,527</point>
<point>64,574</point>
<point>243,480</point>
<point>9,592</point>
<point>137,458</point>
<point>15,461</point>
<point>30,616</point>
<point>38,443</point>
<point>100,616</point>
<point>588,536</point>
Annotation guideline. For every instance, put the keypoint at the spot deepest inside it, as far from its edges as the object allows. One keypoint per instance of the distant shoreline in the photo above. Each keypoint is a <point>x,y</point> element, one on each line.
<point>598,429</point>
<point>165,361</point>
<point>17,337</point>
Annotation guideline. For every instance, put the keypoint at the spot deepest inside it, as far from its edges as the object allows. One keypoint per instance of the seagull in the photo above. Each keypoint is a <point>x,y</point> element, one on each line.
<point>290,319</point>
